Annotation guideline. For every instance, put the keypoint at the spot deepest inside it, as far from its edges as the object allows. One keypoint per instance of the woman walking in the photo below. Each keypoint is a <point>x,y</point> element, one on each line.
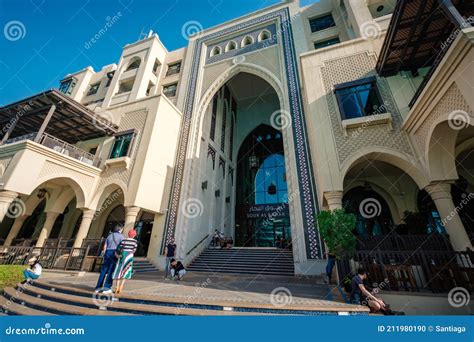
<point>125,252</point>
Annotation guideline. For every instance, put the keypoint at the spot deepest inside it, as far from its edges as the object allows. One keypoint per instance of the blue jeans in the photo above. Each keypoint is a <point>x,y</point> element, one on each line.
<point>107,270</point>
<point>30,275</point>
<point>330,266</point>
<point>167,266</point>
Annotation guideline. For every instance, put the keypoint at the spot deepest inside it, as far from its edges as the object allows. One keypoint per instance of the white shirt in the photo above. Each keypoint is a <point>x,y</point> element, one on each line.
<point>37,269</point>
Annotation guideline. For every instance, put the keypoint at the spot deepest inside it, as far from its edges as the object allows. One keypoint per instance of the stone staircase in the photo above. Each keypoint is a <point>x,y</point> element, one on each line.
<point>42,298</point>
<point>143,265</point>
<point>263,261</point>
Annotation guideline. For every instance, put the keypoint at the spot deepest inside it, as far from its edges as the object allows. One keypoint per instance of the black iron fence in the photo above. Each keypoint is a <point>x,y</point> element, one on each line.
<point>62,258</point>
<point>397,242</point>
<point>419,270</point>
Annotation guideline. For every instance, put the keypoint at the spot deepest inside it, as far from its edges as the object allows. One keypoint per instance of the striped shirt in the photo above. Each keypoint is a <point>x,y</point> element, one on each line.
<point>128,245</point>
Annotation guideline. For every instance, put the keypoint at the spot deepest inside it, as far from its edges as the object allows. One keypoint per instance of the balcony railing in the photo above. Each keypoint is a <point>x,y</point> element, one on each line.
<point>62,147</point>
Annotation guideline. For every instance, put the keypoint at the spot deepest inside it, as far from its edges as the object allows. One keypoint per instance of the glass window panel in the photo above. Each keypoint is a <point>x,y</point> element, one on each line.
<point>271,199</point>
<point>350,106</point>
<point>260,198</point>
<point>281,178</point>
<point>283,196</point>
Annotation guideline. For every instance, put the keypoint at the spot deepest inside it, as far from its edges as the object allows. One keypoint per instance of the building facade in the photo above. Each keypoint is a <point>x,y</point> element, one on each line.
<point>252,129</point>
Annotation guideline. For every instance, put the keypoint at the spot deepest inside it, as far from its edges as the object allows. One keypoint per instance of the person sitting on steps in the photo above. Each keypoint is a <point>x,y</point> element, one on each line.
<point>177,269</point>
<point>33,272</point>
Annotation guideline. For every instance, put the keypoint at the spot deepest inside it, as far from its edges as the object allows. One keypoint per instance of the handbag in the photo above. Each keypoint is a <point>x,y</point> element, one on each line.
<point>118,250</point>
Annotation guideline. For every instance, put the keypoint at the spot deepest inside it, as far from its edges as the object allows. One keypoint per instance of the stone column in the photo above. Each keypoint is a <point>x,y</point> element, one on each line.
<point>6,198</point>
<point>441,195</point>
<point>334,199</point>
<point>15,229</point>
<point>47,226</point>
<point>87,217</point>
<point>131,215</point>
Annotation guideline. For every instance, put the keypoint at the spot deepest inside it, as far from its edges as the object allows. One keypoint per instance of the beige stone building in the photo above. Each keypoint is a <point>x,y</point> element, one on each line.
<point>253,128</point>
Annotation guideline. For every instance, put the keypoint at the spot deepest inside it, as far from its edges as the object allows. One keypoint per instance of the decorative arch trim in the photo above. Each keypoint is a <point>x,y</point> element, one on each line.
<point>390,156</point>
<point>78,189</point>
<point>306,186</point>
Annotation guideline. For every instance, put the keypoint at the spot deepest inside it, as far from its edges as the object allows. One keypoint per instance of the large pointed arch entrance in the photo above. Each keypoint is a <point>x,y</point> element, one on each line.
<point>239,170</point>
<point>262,216</point>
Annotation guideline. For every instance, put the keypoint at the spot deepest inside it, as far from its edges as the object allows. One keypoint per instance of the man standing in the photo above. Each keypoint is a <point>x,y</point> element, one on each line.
<point>170,253</point>
<point>109,260</point>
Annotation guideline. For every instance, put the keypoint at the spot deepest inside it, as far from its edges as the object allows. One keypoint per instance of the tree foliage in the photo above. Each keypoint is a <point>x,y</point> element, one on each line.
<point>337,229</point>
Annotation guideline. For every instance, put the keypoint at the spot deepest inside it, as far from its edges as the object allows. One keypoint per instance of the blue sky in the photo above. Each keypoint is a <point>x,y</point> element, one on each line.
<point>43,40</point>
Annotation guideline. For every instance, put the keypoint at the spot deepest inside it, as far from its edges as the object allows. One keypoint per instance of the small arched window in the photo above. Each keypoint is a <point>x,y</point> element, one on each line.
<point>134,63</point>
<point>264,35</point>
<point>248,40</point>
<point>216,51</point>
<point>231,46</point>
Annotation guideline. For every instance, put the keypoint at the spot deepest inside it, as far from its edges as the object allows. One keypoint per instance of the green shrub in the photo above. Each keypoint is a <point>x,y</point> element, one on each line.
<point>10,275</point>
<point>336,228</point>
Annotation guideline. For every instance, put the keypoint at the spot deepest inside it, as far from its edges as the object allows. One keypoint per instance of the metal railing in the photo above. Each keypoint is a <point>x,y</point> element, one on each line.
<point>397,242</point>
<point>69,150</point>
<point>438,271</point>
<point>58,242</point>
<point>60,146</point>
<point>23,242</point>
<point>63,258</point>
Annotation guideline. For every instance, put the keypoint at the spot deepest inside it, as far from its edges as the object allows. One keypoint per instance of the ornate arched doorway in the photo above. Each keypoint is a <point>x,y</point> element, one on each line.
<point>262,213</point>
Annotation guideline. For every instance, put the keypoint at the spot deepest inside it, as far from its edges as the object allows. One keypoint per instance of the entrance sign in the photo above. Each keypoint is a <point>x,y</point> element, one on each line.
<point>266,211</point>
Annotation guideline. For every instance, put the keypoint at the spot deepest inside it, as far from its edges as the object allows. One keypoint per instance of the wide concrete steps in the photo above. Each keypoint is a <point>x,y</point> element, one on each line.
<point>42,298</point>
<point>263,261</point>
<point>143,265</point>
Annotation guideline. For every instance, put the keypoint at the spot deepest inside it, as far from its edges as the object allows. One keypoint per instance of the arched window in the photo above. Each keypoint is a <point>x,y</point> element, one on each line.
<point>134,63</point>
<point>264,35</point>
<point>231,46</point>
<point>216,51</point>
<point>248,40</point>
